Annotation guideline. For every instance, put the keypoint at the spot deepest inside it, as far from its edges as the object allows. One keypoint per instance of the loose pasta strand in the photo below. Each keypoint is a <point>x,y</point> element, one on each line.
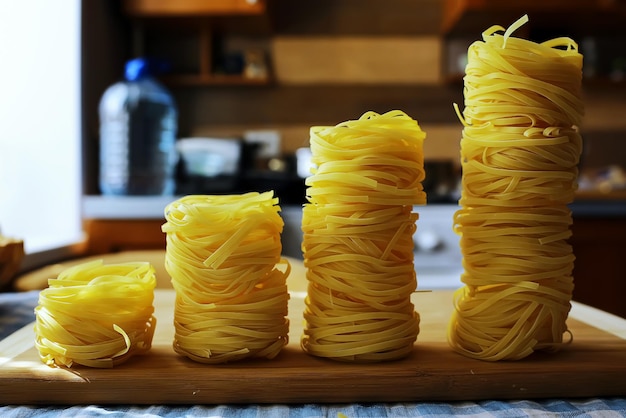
<point>519,153</point>
<point>224,256</point>
<point>358,246</point>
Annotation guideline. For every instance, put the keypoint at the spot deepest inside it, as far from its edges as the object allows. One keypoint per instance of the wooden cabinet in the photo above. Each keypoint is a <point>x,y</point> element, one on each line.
<point>600,269</point>
<point>596,25</point>
<point>477,15</point>
<point>171,8</point>
<point>186,33</point>
<point>114,235</point>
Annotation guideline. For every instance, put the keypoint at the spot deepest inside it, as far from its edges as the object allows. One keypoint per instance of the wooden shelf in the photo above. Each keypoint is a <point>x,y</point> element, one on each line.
<point>214,80</point>
<point>196,30</point>
<point>173,8</point>
<point>597,195</point>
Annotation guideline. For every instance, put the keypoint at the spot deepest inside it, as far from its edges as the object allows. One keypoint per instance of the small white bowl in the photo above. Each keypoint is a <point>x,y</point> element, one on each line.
<point>210,157</point>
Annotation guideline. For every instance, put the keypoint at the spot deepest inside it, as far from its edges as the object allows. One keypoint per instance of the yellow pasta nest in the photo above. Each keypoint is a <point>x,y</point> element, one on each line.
<point>96,315</point>
<point>358,238</point>
<point>223,254</point>
<point>519,154</point>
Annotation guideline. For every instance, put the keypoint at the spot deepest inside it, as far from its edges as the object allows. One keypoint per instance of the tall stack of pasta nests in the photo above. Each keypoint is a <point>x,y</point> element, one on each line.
<point>224,256</point>
<point>358,227</point>
<point>519,152</point>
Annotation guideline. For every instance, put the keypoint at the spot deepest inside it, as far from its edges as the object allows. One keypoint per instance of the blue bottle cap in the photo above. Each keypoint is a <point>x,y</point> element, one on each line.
<point>136,69</point>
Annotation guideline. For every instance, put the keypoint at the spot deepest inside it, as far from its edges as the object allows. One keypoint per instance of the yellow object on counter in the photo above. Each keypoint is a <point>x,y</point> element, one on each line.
<point>519,153</point>
<point>11,255</point>
<point>358,229</point>
<point>224,256</point>
<point>96,315</point>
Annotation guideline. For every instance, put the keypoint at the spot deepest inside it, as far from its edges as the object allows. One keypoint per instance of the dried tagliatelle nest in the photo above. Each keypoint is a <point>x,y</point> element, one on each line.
<point>96,314</point>
<point>520,150</point>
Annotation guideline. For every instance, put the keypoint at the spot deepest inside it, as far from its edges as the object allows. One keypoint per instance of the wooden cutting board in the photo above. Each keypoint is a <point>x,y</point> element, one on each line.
<point>594,365</point>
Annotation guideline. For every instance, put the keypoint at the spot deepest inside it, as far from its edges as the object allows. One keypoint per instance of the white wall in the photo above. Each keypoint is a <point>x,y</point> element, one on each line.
<point>40,156</point>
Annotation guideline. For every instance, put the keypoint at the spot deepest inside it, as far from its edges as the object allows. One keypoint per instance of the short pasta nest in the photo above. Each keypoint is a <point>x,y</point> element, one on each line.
<point>96,315</point>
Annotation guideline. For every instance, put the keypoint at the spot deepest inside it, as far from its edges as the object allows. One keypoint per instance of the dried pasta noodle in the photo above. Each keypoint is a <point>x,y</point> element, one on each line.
<point>358,247</point>
<point>223,254</point>
<point>519,152</point>
<point>96,315</point>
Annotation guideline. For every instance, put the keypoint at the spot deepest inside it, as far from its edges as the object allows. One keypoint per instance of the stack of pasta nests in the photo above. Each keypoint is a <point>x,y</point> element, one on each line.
<point>520,149</point>
<point>224,256</point>
<point>357,245</point>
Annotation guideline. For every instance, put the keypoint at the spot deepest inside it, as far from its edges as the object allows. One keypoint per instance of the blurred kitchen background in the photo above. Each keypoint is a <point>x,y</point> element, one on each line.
<point>267,70</point>
<point>262,72</point>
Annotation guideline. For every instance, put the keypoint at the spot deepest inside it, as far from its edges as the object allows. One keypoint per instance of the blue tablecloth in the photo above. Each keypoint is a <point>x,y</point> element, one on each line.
<point>16,311</point>
<point>548,408</point>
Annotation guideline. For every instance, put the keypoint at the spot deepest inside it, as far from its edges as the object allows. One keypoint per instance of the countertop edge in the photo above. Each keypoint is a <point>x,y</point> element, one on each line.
<point>153,207</point>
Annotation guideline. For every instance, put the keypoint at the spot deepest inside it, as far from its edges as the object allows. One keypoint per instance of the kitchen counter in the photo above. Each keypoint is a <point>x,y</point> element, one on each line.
<point>152,207</point>
<point>125,207</point>
<point>123,223</point>
<point>599,208</point>
<point>599,240</point>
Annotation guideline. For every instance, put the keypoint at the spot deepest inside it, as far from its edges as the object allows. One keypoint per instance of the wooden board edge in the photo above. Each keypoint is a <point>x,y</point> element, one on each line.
<point>599,319</point>
<point>16,343</point>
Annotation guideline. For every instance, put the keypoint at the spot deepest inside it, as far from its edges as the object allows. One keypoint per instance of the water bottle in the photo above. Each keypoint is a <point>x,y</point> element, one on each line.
<point>138,123</point>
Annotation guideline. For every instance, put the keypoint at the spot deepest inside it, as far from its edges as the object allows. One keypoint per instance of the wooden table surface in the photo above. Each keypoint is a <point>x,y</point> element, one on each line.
<point>593,365</point>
